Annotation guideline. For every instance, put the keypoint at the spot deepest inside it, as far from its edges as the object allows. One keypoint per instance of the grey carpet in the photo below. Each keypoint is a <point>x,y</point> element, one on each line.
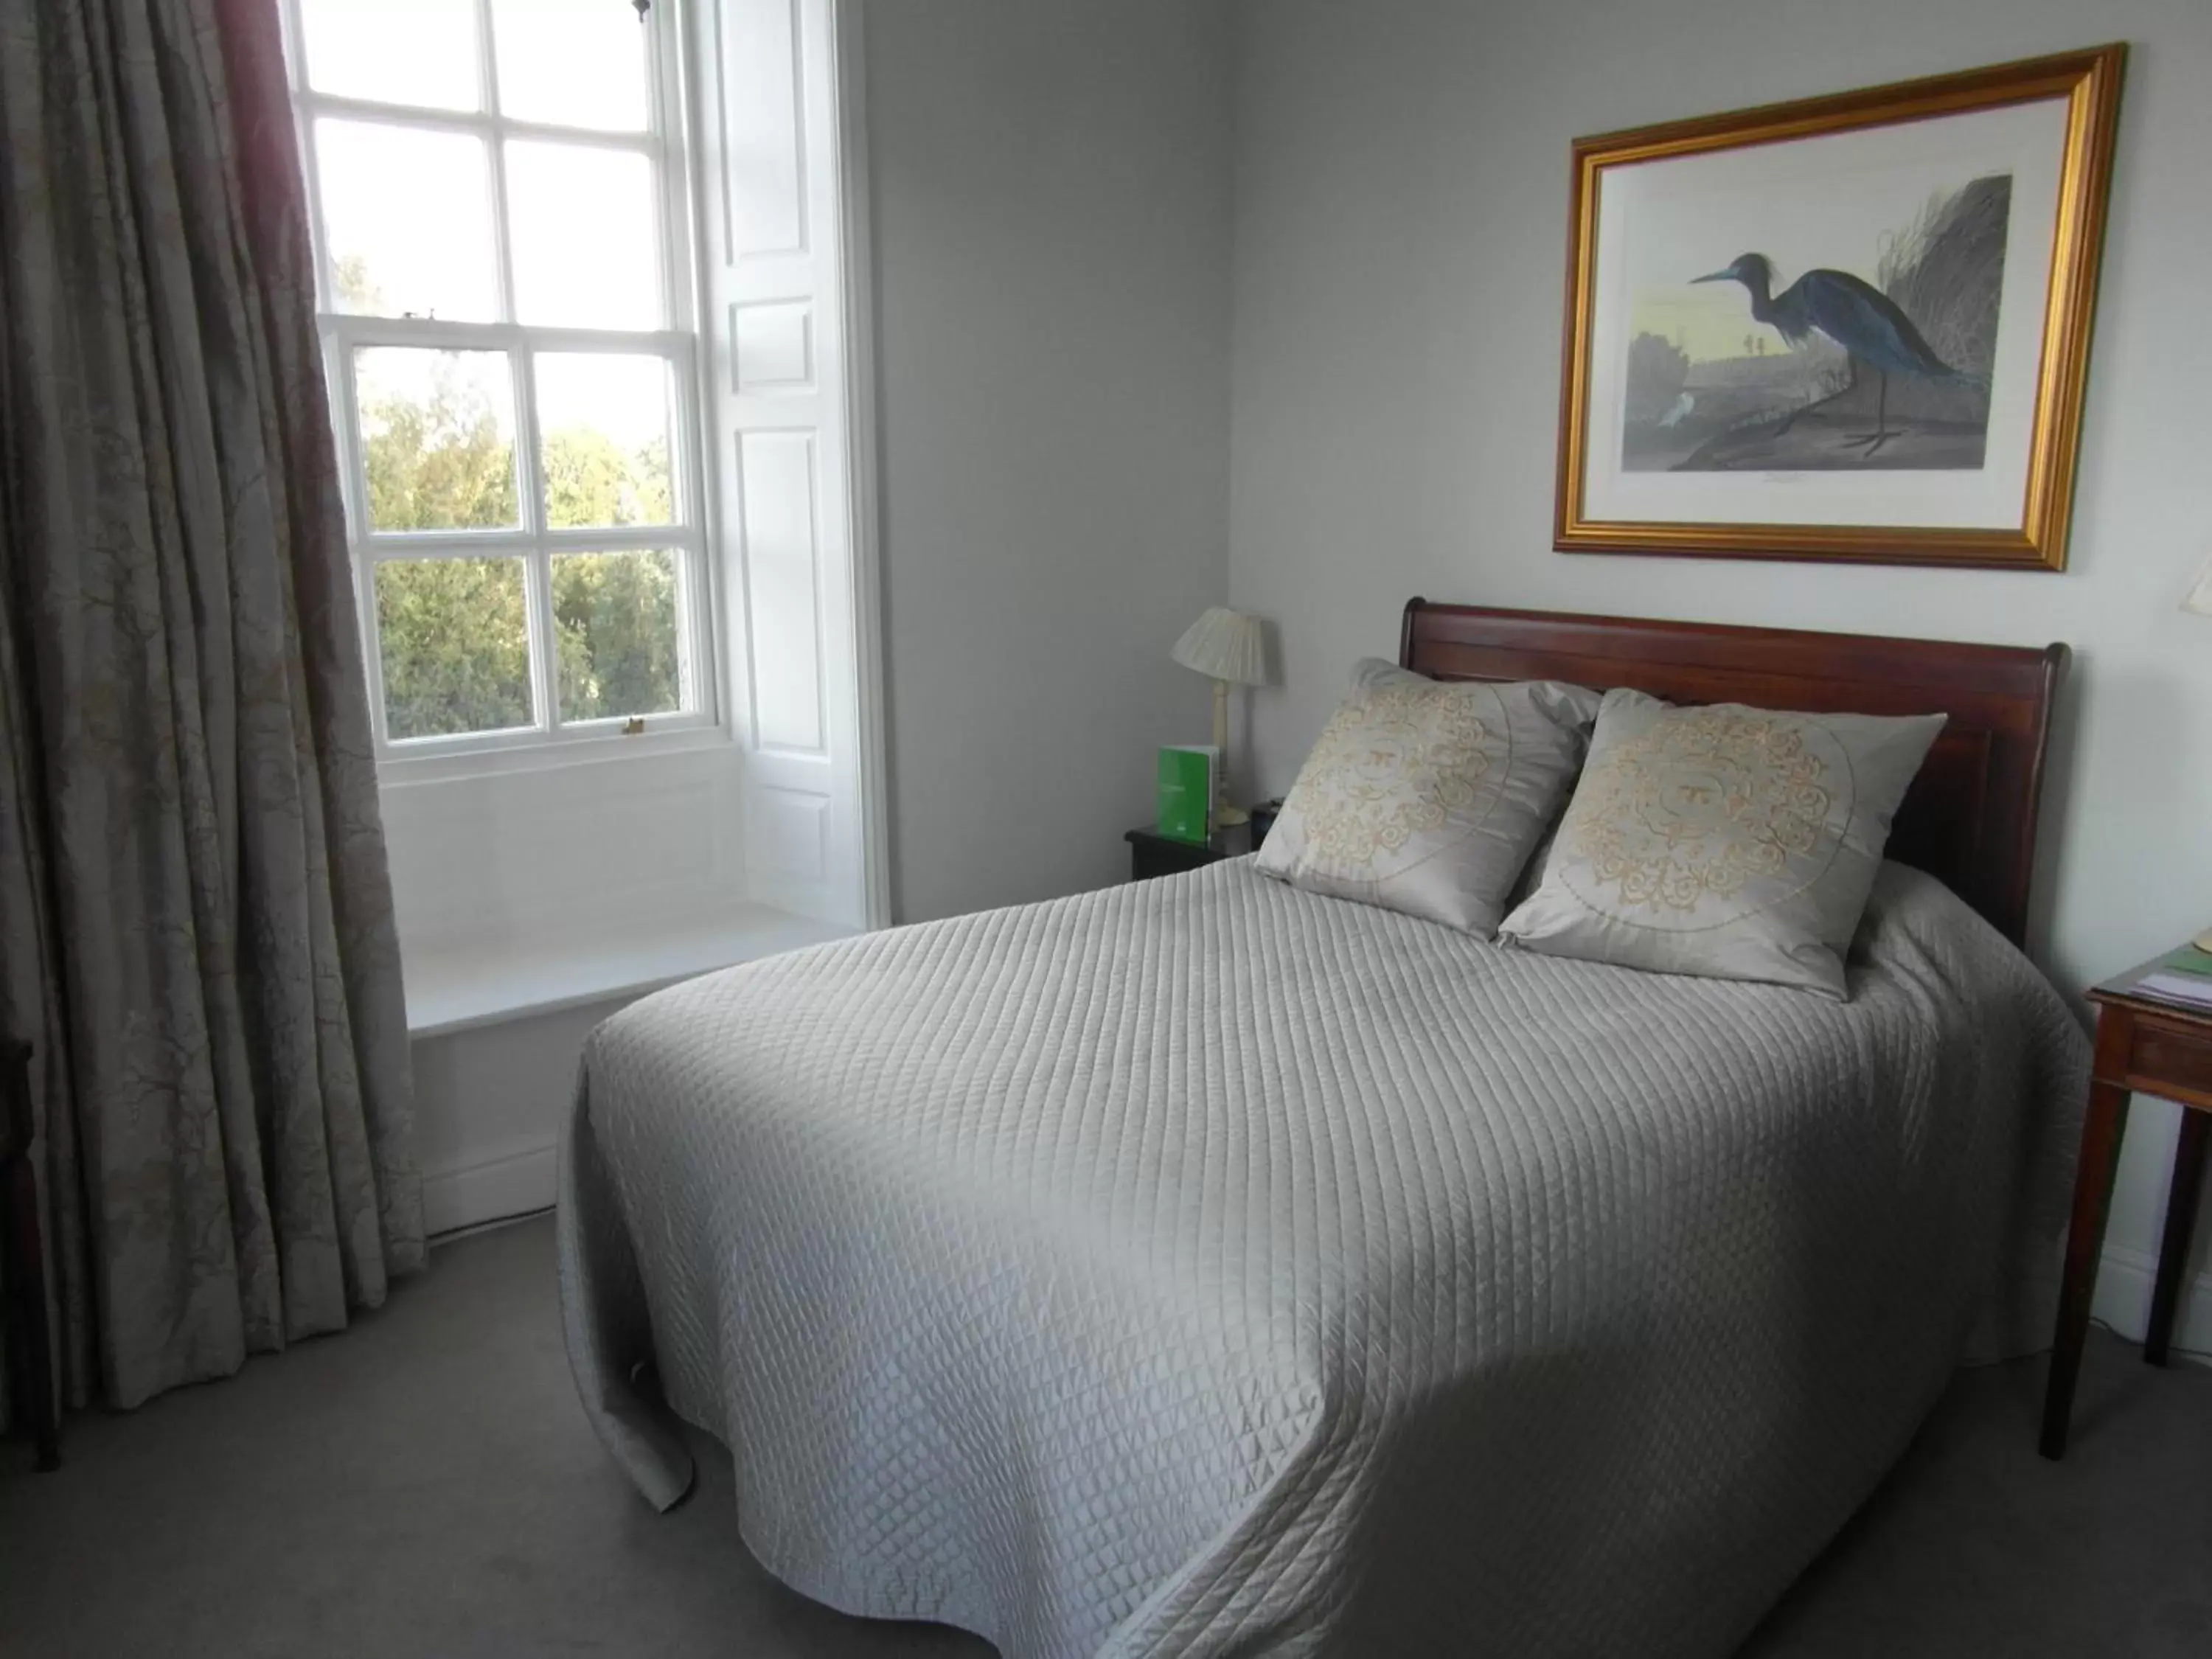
<point>426,1485</point>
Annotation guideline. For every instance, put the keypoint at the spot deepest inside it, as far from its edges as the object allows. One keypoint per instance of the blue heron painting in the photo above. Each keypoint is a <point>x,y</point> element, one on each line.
<point>1854,313</point>
<point>1891,373</point>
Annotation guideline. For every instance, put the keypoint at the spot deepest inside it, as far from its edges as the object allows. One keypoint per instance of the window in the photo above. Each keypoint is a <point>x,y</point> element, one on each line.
<point>502,241</point>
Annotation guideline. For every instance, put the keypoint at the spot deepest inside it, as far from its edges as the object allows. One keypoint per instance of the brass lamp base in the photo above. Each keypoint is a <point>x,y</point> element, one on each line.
<point>1227,816</point>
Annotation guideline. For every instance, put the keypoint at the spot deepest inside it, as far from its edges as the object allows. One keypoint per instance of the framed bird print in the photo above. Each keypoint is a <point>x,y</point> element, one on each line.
<point>1853,328</point>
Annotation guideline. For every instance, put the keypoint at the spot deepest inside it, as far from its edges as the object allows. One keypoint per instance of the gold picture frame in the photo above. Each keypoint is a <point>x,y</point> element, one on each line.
<point>1701,475</point>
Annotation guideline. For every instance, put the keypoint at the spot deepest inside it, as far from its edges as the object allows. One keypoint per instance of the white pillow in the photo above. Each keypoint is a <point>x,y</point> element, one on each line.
<point>1727,841</point>
<point>1427,796</point>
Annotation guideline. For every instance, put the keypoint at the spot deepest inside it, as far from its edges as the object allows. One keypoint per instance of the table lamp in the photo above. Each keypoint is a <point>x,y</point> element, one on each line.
<point>2198,601</point>
<point>1231,648</point>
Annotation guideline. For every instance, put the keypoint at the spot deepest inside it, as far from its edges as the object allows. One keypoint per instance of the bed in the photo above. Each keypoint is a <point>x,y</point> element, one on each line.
<point>1205,1267</point>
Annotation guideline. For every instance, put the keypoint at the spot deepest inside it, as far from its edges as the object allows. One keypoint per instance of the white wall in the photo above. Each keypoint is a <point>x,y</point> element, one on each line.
<point>523,859</point>
<point>1400,200</point>
<point>488,1105</point>
<point>1052,219</point>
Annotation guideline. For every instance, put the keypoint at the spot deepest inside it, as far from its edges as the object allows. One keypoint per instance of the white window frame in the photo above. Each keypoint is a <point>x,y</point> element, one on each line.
<point>552,740</point>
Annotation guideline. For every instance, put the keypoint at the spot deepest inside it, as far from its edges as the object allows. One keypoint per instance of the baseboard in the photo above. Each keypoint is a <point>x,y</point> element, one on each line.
<point>514,1184</point>
<point>2123,1286</point>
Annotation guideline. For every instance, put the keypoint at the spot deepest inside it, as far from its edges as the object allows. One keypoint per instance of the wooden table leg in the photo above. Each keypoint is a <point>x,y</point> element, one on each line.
<point>2085,1241</point>
<point>2180,1213</point>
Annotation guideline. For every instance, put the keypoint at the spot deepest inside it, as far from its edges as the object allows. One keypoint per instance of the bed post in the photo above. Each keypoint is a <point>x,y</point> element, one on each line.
<point>1406,631</point>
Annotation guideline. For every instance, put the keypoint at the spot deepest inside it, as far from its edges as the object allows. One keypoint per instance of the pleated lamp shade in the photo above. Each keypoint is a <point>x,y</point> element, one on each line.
<point>1226,645</point>
<point>2198,598</point>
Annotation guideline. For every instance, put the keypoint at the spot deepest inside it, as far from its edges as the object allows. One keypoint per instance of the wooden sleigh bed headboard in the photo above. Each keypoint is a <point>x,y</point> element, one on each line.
<point>1969,819</point>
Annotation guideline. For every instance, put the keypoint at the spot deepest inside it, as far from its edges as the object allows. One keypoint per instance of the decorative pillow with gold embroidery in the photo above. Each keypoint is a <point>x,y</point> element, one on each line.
<point>1427,796</point>
<point>1725,841</point>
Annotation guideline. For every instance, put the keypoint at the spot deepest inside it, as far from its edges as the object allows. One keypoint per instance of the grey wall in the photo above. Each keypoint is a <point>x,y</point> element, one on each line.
<point>1400,200</point>
<point>1052,220</point>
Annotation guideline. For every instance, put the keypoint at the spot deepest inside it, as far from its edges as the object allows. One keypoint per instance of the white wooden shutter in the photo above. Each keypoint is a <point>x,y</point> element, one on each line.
<point>773,235</point>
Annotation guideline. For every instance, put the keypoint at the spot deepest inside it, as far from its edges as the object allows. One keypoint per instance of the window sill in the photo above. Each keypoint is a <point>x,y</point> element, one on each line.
<point>456,990</point>
<point>468,765</point>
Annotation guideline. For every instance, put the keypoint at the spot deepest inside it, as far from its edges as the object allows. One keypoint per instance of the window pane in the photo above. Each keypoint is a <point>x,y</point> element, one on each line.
<point>455,639</point>
<point>616,628</point>
<point>583,229</point>
<point>605,420</point>
<point>571,63</point>
<point>400,51</point>
<point>437,438</point>
<point>408,215</point>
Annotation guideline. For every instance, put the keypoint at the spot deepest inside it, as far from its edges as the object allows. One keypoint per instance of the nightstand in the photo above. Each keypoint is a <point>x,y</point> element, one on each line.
<point>2165,1050</point>
<point>1152,854</point>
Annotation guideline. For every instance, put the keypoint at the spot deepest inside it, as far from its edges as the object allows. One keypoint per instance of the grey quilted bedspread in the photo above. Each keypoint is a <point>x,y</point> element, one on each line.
<point>1204,1266</point>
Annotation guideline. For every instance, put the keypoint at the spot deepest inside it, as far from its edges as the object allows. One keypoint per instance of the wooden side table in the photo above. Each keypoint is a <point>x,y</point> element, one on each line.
<point>2162,1049</point>
<point>26,1308</point>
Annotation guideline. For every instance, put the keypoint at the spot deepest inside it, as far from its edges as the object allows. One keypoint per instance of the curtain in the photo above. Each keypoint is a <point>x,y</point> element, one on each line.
<point>199,934</point>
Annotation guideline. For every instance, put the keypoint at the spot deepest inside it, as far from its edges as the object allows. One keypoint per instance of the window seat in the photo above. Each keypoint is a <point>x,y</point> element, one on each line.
<point>458,988</point>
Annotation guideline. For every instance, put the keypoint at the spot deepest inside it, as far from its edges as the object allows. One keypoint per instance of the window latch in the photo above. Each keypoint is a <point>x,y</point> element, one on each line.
<point>634,726</point>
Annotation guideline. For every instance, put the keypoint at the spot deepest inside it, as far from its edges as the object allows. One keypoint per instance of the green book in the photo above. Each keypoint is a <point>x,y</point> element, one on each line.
<point>1185,804</point>
<point>2189,960</point>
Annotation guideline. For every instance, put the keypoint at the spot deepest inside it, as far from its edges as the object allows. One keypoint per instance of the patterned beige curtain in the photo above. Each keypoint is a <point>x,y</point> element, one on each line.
<point>198,930</point>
